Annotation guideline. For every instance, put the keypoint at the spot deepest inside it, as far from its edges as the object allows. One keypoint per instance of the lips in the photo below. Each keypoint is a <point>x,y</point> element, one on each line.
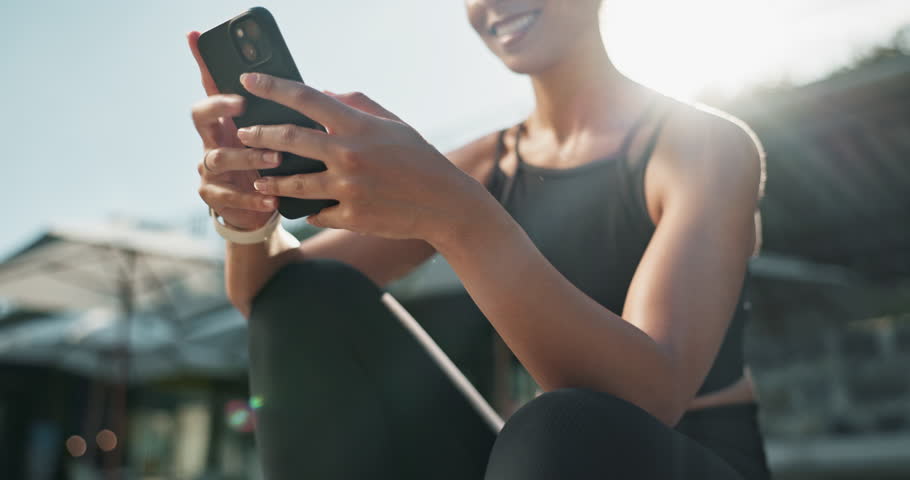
<point>514,25</point>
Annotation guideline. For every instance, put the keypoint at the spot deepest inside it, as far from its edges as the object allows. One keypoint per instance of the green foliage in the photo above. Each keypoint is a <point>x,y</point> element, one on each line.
<point>897,47</point>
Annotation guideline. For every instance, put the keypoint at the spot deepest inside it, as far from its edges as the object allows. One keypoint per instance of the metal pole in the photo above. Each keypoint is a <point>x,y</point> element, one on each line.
<point>445,363</point>
<point>115,460</point>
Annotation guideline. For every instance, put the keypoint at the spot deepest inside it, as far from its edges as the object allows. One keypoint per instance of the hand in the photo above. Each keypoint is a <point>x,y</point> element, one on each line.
<point>388,180</point>
<point>227,169</point>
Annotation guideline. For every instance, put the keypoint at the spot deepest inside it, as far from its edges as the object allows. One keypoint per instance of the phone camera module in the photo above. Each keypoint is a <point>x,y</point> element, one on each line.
<point>251,41</point>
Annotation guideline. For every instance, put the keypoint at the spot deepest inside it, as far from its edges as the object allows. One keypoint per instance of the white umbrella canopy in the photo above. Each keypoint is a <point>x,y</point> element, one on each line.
<point>111,265</point>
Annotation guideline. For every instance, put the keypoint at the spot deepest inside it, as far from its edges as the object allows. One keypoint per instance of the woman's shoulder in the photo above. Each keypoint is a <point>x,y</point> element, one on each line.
<point>696,125</point>
<point>691,123</point>
<point>704,140</point>
<point>477,157</point>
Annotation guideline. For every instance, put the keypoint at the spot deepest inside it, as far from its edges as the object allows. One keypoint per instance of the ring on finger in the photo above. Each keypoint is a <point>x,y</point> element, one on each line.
<point>205,164</point>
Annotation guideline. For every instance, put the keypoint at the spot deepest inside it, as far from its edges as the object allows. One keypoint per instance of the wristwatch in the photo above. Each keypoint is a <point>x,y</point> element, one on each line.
<point>245,237</point>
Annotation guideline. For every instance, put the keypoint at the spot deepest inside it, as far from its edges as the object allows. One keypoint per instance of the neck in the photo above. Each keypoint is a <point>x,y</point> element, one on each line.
<point>573,94</point>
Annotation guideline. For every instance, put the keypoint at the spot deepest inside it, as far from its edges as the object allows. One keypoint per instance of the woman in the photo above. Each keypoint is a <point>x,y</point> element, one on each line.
<point>627,220</point>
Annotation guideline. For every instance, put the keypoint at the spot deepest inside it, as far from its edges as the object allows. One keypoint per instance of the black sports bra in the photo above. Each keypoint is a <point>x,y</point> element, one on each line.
<point>592,223</point>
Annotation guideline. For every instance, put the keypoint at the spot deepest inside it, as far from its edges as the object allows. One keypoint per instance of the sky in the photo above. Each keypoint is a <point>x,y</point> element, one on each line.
<point>96,95</point>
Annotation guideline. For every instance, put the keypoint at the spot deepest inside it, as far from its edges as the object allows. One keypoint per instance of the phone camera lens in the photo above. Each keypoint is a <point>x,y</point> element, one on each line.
<point>249,52</point>
<point>252,29</point>
<point>239,32</point>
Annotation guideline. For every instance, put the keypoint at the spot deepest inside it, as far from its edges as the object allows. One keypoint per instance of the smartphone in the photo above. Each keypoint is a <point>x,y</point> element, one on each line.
<point>251,42</point>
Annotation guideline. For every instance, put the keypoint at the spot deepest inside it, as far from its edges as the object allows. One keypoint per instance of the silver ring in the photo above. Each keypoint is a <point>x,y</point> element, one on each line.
<point>205,162</point>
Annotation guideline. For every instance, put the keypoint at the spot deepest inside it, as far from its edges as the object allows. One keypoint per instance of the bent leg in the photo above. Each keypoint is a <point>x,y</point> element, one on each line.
<point>345,391</point>
<point>575,434</point>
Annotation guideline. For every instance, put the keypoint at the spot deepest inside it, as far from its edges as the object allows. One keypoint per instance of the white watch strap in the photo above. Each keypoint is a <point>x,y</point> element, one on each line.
<point>245,237</point>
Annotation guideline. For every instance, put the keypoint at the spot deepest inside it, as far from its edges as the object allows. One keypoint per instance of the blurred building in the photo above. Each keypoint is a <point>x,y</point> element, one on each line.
<point>830,346</point>
<point>121,358</point>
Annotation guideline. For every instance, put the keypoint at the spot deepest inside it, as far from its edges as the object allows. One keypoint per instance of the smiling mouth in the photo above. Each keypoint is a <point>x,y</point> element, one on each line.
<point>514,26</point>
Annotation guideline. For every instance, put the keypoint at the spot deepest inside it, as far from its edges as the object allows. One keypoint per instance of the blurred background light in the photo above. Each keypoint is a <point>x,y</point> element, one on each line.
<point>107,440</point>
<point>76,446</point>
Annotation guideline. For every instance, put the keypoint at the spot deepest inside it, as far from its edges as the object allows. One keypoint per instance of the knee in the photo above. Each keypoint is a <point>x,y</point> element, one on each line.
<point>312,285</point>
<point>571,430</point>
<point>573,412</point>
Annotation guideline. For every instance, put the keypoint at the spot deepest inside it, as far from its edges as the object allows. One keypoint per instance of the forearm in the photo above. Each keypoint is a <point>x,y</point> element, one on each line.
<point>563,337</point>
<point>248,267</point>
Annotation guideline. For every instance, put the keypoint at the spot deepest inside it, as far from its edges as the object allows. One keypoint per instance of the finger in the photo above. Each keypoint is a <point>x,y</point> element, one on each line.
<point>220,196</point>
<point>207,116</point>
<point>313,186</point>
<point>306,100</point>
<point>336,216</point>
<point>363,103</point>
<point>223,159</point>
<point>302,141</point>
<point>208,83</point>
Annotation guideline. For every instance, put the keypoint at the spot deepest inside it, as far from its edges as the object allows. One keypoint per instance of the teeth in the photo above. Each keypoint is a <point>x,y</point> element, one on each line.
<point>514,26</point>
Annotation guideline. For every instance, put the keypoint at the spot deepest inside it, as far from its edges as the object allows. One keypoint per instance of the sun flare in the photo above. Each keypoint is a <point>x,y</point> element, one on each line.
<point>691,46</point>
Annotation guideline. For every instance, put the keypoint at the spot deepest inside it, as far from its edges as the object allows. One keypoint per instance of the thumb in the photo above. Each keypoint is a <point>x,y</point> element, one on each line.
<point>364,104</point>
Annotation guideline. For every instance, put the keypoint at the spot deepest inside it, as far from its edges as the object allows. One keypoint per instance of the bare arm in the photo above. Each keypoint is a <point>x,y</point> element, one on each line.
<point>657,351</point>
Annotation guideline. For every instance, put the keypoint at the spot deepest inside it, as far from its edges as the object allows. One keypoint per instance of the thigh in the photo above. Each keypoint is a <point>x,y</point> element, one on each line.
<point>578,434</point>
<point>348,393</point>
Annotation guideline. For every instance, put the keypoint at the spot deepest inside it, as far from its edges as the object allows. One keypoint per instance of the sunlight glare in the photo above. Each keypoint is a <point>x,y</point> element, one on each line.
<point>690,46</point>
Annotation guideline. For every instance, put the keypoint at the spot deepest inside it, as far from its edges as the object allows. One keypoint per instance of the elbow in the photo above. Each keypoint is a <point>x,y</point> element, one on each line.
<point>666,397</point>
<point>669,406</point>
<point>670,398</point>
<point>662,402</point>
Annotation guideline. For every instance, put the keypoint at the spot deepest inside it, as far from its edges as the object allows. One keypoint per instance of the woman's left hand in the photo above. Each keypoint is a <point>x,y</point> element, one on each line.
<point>388,180</point>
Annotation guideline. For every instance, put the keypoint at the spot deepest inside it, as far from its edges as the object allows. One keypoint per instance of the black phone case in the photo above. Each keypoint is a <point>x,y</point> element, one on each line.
<point>226,64</point>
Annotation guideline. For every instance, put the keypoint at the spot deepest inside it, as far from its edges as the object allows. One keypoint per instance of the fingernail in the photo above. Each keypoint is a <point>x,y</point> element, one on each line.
<point>271,158</point>
<point>269,203</point>
<point>243,132</point>
<point>249,78</point>
<point>261,185</point>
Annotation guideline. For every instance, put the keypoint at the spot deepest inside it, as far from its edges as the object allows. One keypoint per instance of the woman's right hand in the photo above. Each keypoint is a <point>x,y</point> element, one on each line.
<point>228,169</point>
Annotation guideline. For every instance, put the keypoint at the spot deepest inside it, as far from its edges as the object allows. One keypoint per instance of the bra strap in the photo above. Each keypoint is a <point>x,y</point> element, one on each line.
<point>636,127</point>
<point>510,179</point>
<point>643,154</point>
<point>500,145</point>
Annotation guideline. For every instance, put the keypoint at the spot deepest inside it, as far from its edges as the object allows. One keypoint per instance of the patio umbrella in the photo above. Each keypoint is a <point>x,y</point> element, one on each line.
<point>119,267</point>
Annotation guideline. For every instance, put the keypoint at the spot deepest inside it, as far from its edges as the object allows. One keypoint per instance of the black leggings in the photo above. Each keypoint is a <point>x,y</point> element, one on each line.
<point>344,392</point>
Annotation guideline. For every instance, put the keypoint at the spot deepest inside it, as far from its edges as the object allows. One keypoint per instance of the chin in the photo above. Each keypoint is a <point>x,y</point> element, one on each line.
<point>527,64</point>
